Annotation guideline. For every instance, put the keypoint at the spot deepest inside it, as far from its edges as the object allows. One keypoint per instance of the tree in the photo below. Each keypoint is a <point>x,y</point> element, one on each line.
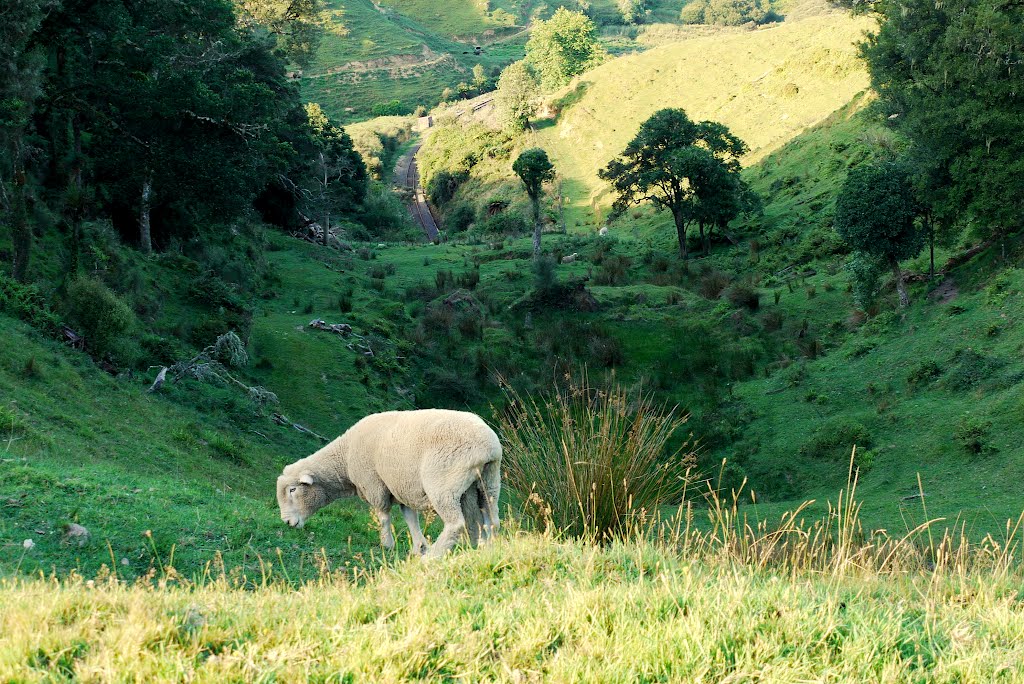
<point>949,77</point>
<point>517,94</point>
<point>534,168</point>
<point>479,77</point>
<point>338,182</point>
<point>876,214</point>
<point>677,163</point>
<point>725,12</point>
<point>562,47</point>
<point>295,25</point>
<point>21,66</point>
<point>632,11</point>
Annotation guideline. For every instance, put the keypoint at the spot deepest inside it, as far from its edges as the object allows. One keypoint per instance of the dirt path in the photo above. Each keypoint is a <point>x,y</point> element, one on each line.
<point>408,175</point>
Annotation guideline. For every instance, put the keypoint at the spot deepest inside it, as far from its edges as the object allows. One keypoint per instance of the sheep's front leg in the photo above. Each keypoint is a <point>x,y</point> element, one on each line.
<point>412,519</point>
<point>387,539</point>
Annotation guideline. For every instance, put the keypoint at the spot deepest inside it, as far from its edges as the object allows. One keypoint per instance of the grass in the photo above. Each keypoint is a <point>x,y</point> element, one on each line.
<point>731,603</point>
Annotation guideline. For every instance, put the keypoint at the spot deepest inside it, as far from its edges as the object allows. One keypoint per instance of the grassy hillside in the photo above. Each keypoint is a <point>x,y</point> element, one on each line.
<point>767,86</point>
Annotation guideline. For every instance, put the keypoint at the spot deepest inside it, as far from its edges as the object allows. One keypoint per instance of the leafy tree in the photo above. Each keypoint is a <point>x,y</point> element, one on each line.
<point>534,168</point>
<point>632,11</point>
<point>690,168</point>
<point>876,214</point>
<point>295,25</point>
<point>562,47</point>
<point>338,182</point>
<point>950,76</point>
<point>517,95</point>
<point>725,12</point>
<point>21,66</point>
<point>479,77</point>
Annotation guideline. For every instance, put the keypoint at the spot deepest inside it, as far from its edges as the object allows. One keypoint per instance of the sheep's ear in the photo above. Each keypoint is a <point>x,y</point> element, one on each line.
<point>306,478</point>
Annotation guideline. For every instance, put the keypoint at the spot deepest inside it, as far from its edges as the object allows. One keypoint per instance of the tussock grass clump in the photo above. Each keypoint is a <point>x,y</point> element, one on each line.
<point>593,463</point>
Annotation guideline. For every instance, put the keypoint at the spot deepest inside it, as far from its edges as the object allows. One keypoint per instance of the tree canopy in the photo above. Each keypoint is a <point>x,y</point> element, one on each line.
<point>562,47</point>
<point>517,95</point>
<point>690,168</point>
<point>534,168</point>
<point>950,76</point>
<point>876,214</point>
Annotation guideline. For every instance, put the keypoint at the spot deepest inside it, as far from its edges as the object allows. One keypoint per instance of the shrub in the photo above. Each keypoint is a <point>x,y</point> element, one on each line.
<point>836,438</point>
<point>443,185</point>
<point>614,270</point>
<point>505,223</point>
<point>102,318</point>
<point>545,279</point>
<point>593,463</point>
<point>28,304</point>
<point>923,373</point>
<point>743,295</point>
<point>713,283</point>
<point>972,368</point>
<point>605,350</point>
<point>460,218</point>
<point>972,434</point>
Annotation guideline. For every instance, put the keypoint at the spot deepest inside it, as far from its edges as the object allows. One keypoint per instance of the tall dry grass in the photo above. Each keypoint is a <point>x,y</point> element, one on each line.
<point>593,462</point>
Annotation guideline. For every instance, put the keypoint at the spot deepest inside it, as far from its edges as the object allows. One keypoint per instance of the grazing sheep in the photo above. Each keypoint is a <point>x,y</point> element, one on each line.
<point>568,259</point>
<point>449,461</point>
<point>603,231</point>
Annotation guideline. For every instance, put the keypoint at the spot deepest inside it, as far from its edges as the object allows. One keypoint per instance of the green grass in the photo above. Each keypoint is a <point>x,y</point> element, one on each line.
<point>524,609</point>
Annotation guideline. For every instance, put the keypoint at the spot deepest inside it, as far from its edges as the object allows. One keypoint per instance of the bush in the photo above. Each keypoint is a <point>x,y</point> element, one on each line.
<point>593,463</point>
<point>28,304</point>
<point>443,185</point>
<point>460,218</point>
<point>614,270</point>
<point>972,434</point>
<point>725,12</point>
<point>923,373</point>
<point>390,108</point>
<point>103,319</point>
<point>713,283</point>
<point>545,280</point>
<point>972,368</point>
<point>836,438</point>
<point>505,223</point>
<point>743,295</point>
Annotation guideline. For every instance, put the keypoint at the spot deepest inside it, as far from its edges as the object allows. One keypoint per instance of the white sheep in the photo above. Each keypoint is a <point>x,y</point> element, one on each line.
<point>449,461</point>
<point>603,231</point>
<point>569,258</point>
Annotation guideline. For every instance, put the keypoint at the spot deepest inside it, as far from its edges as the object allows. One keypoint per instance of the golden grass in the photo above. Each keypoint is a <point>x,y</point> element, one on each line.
<point>803,602</point>
<point>767,85</point>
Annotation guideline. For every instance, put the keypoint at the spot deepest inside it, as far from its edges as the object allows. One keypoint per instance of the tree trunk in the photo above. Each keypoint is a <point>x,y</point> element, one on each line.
<point>930,229</point>
<point>327,229</point>
<point>680,233</point>
<point>901,288</point>
<point>536,228</point>
<point>703,243</point>
<point>21,232</point>
<point>145,207</point>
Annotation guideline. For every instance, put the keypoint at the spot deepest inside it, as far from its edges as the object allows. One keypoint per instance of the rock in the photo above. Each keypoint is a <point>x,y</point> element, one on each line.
<point>28,544</point>
<point>76,535</point>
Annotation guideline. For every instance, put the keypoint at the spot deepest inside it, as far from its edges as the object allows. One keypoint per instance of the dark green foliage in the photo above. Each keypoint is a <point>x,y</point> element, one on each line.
<point>505,223</point>
<point>949,76</point>
<point>103,318</point>
<point>713,284</point>
<point>692,169</point>
<point>27,303</point>
<point>390,108</point>
<point>972,434</point>
<point>744,295</point>
<point>876,213</point>
<point>460,218</point>
<point>534,169</point>
<point>614,270</point>
<point>923,373</point>
<point>545,277</point>
<point>972,368</point>
<point>836,439</point>
<point>443,185</point>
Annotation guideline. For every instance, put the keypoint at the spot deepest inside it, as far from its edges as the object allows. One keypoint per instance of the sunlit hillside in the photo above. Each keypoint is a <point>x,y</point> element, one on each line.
<point>774,83</point>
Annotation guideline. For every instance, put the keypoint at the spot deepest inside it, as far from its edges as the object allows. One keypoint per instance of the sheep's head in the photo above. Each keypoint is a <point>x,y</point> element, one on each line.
<point>299,496</point>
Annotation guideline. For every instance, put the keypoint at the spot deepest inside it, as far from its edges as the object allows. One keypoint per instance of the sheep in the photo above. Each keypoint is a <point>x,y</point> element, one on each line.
<point>569,258</point>
<point>449,461</point>
<point>603,231</point>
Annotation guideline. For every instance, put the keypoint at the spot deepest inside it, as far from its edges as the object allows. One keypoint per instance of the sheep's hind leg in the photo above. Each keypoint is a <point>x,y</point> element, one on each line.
<point>471,513</point>
<point>449,509</point>
<point>412,519</point>
<point>387,539</point>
